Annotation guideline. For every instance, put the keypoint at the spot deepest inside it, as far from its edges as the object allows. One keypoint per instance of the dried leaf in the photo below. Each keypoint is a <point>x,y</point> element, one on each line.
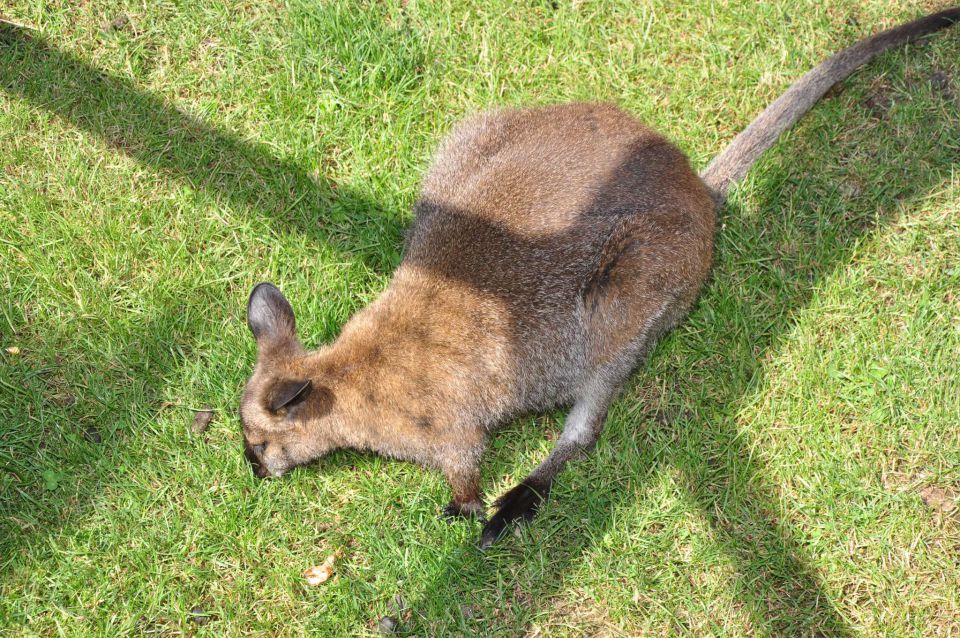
<point>119,23</point>
<point>201,420</point>
<point>14,350</point>
<point>199,616</point>
<point>319,574</point>
<point>387,625</point>
<point>937,498</point>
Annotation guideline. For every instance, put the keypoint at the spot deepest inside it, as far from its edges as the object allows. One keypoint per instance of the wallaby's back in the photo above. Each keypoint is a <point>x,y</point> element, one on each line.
<point>523,205</point>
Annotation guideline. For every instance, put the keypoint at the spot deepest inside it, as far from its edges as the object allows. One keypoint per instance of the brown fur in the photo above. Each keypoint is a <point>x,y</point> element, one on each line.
<point>550,248</point>
<point>544,242</point>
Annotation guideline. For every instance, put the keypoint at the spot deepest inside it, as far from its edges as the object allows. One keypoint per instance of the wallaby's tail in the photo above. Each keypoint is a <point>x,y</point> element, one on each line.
<point>732,164</point>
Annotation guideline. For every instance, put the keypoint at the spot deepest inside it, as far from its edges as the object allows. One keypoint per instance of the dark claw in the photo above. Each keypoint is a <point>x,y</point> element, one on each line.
<point>450,513</point>
<point>454,511</point>
<point>492,531</point>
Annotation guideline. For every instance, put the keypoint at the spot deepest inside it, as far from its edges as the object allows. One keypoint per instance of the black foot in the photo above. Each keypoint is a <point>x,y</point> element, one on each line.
<point>520,503</point>
<point>455,510</point>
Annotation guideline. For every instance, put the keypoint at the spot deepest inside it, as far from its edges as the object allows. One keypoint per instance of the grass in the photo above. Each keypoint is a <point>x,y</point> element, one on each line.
<point>787,463</point>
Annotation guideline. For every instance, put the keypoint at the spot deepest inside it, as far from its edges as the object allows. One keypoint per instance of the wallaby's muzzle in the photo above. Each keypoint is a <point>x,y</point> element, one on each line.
<point>253,452</point>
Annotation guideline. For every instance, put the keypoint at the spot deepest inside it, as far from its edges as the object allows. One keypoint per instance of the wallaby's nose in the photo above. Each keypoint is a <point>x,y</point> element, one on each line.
<point>253,454</point>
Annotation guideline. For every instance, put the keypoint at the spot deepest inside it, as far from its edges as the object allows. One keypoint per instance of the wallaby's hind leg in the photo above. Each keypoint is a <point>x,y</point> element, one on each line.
<point>646,278</point>
<point>581,429</point>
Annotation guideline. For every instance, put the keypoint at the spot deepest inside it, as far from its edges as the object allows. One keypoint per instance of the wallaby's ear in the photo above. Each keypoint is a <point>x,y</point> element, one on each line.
<point>288,392</point>
<point>270,315</point>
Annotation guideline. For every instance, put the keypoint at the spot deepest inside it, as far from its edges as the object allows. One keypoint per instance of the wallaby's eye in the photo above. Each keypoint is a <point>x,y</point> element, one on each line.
<point>287,393</point>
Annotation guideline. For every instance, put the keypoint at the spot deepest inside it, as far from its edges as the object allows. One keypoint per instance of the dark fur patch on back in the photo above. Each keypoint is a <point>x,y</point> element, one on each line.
<point>598,284</point>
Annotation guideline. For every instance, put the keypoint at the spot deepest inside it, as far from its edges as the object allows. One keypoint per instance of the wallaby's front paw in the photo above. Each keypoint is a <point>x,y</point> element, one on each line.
<point>451,512</point>
<point>455,510</point>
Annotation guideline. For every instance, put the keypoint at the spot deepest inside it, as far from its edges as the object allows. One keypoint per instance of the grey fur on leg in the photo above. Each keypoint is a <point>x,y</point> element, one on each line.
<point>580,433</point>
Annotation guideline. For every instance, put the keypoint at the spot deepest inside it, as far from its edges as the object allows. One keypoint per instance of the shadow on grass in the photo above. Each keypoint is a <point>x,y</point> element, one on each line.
<point>152,131</point>
<point>783,594</point>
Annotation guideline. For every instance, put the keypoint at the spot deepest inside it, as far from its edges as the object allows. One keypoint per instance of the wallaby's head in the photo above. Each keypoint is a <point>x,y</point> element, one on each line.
<point>287,403</point>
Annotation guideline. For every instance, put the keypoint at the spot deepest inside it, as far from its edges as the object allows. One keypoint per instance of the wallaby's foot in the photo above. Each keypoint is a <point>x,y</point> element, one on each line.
<point>520,503</point>
<point>470,510</point>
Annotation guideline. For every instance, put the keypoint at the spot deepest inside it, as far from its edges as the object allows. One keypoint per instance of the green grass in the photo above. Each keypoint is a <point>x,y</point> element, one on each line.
<point>774,470</point>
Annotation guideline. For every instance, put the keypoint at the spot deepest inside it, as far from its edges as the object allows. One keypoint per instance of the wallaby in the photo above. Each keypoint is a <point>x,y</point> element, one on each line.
<point>550,248</point>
